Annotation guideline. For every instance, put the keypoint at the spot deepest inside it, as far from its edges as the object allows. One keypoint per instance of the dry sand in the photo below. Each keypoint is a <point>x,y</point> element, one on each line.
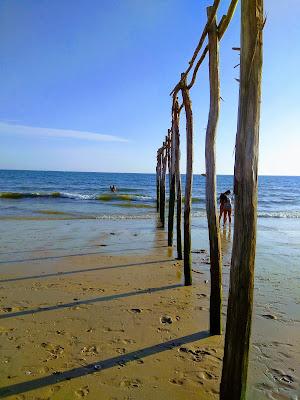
<point>115,323</point>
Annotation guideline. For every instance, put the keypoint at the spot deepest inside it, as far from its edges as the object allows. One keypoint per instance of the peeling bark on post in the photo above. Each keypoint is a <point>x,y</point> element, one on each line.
<point>189,183</point>
<point>176,133</point>
<point>211,201</point>
<point>240,302</point>
<point>172,184</point>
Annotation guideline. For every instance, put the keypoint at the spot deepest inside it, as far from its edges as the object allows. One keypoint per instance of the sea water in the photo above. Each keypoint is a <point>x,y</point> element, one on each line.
<point>54,194</point>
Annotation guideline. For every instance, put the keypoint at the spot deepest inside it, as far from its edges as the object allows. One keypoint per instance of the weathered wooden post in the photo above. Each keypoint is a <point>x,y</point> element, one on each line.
<point>158,177</point>
<point>210,162</point>
<point>164,158</point>
<point>172,184</point>
<point>240,302</point>
<point>161,183</point>
<point>189,182</point>
<point>168,140</point>
<point>176,116</point>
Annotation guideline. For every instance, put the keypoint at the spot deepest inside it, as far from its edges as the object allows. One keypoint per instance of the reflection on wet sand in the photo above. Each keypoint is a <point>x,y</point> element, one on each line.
<point>225,233</point>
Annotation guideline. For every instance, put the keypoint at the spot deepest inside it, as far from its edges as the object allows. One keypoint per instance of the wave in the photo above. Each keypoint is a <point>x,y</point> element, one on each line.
<point>134,205</point>
<point>76,196</point>
<point>19,195</point>
<point>279,214</point>
<point>260,214</point>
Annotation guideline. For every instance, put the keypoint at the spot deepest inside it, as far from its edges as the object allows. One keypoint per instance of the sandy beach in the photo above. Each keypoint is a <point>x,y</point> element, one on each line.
<point>97,310</point>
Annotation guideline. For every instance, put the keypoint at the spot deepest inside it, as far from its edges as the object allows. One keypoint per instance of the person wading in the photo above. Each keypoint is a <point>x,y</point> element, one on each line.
<point>225,207</point>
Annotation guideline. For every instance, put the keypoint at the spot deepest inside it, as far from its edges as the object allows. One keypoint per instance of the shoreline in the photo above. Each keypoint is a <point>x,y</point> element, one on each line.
<point>78,299</point>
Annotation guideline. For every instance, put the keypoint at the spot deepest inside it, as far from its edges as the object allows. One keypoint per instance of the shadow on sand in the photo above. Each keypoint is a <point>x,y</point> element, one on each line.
<point>78,271</point>
<point>88,301</point>
<point>99,366</point>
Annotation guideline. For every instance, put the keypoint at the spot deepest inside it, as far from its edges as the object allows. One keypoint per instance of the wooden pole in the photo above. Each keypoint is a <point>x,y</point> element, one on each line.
<point>158,176</point>
<point>161,183</point>
<point>168,140</point>
<point>164,157</point>
<point>240,302</point>
<point>172,178</point>
<point>189,182</point>
<point>211,201</point>
<point>176,116</point>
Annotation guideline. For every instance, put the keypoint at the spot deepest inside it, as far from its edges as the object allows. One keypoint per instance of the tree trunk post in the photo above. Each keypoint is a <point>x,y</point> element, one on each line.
<point>176,134</point>
<point>164,157</point>
<point>240,302</point>
<point>211,201</point>
<point>158,176</point>
<point>172,176</point>
<point>189,182</point>
<point>168,140</point>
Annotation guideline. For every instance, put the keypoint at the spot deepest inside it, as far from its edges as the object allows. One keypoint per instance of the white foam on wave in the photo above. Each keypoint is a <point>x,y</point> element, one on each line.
<point>124,217</point>
<point>279,214</point>
<point>78,196</point>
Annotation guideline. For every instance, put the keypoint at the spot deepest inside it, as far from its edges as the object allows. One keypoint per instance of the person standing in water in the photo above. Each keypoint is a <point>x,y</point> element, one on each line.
<point>225,207</point>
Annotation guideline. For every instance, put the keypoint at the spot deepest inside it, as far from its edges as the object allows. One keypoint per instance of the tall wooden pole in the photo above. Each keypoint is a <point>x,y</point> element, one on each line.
<point>172,178</point>
<point>158,177</point>
<point>161,183</point>
<point>168,140</point>
<point>164,157</point>
<point>189,182</point>
<point>210,161</point>
<point>176,116</point>
<point>240,302</point>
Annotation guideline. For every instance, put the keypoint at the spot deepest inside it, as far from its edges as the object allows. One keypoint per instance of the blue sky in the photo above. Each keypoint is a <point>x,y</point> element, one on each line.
<point>85,84</point>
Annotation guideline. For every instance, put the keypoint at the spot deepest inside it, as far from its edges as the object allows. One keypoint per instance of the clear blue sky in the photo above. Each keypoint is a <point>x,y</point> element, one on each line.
<point>85,84</point>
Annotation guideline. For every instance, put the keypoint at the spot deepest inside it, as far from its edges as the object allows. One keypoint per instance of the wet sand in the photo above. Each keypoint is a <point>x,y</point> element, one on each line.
<point>98,311</point>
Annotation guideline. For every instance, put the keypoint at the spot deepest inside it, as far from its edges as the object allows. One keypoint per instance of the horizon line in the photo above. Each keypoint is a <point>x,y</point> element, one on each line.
<point>117,172</point>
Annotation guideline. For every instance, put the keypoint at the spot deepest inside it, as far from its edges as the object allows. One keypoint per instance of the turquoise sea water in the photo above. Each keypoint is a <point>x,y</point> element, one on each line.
<point>87,195</point>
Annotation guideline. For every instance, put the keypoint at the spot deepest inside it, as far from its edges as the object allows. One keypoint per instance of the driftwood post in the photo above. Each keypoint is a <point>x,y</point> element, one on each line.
<point>164,157</point>
<point>240,302</point>
<point>172,184</point>
<point>189,182</point>
<point>168,140</point>
<point>161,156</point>
<point>176,115</point>
<point>158,177</point>
<point>210,161</point>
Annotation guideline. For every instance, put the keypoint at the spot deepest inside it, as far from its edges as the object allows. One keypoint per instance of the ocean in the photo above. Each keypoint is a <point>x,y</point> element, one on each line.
<point>54,194</point>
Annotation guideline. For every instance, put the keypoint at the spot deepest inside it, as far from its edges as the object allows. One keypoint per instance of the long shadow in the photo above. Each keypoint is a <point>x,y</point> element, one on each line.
<point>78,271</point>
<point>78,254</point>
<point>99,366</point>
<point>63,248</point>
<point>89,301</point>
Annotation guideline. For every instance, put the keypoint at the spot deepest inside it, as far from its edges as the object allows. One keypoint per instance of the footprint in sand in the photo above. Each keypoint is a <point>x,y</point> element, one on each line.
<point>136,310</point>
<point>269,316</point>
<point>55,389</point>
<point>82,392</point>
<point>177,381</point>
<point>166,319</point>
<point>208,375</point>
<point>54,350</point>
<point>131,383</point>
<point>12,309</point>
<point>90,350</point>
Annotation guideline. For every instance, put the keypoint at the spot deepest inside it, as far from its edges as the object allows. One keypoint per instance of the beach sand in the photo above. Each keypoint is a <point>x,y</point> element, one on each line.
<point>97,310</point>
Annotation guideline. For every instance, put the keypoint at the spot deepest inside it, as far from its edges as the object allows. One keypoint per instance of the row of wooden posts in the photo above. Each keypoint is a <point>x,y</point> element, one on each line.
<point>240,302</point>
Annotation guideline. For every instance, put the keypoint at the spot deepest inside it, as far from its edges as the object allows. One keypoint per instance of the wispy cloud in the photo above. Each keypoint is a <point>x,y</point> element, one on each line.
<point>13,129</point>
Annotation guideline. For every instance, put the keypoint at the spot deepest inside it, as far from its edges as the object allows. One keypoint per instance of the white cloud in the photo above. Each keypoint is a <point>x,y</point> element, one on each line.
<point>12,129</point>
